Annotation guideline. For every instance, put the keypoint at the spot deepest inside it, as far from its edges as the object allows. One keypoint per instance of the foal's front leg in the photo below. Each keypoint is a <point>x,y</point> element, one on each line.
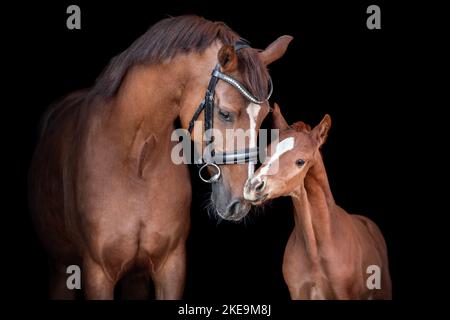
<point>169,278</point>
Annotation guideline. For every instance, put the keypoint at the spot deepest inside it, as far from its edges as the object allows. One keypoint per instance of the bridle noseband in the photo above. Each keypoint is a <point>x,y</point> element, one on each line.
<point>207,105</point>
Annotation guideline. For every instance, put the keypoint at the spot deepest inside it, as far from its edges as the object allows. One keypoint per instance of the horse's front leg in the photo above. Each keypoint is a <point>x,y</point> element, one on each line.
<point>97,284</point>
<point>169,278</point>
<point>58,284</point>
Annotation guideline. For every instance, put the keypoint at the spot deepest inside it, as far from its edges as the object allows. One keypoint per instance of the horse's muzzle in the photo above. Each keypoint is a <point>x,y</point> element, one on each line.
<point>235,211</point>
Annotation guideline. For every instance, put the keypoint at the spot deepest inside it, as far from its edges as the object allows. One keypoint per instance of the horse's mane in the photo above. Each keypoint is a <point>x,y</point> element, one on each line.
<point>175,35</point>
<point>164,40</point>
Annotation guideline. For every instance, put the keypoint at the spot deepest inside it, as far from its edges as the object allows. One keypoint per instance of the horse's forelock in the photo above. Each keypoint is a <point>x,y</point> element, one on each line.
<point>254,73</point>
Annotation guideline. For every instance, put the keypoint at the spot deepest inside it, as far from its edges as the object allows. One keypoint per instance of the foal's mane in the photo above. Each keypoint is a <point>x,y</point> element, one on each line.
<point>175,35</point>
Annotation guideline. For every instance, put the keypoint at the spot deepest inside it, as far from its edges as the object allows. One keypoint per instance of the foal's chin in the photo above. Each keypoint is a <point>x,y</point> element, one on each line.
<point>260,201</point>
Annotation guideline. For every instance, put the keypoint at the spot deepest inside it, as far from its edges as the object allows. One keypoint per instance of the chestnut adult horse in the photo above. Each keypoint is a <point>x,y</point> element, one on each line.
<point>330,253</point>
<point>104,191</point>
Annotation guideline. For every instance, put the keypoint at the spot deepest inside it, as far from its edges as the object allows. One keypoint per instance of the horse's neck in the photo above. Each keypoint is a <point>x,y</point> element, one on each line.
<point>151,98</point>
<point>146,103</point>
<point>315,212</point>
<point>145,108</point>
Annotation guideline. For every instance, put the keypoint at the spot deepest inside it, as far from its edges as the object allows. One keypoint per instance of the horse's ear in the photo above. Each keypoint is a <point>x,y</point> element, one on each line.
<point>275,50</point>
<point>228,59</point>
<point>278,121</point>
<point>301,126</point>
<point>320,132</point>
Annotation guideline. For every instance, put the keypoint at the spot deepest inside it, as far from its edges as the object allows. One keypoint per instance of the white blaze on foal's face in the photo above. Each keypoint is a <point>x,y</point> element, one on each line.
<point>281,148</point>
<point>252,111</point>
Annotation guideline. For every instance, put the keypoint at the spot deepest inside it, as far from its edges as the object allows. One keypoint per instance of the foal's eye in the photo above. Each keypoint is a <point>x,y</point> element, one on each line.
<point>299,162</point>
<point>225,115</point>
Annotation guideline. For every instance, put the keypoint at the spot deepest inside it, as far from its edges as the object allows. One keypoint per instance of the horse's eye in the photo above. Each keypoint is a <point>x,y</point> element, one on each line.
<point>299,162</point>
<point>225,115</point>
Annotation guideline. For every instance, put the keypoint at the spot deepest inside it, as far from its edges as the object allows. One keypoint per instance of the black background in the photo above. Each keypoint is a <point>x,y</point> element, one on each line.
<point>334,65</point>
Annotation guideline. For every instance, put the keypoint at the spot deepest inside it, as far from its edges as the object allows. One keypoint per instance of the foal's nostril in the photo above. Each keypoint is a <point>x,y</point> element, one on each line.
<point>260,186</point>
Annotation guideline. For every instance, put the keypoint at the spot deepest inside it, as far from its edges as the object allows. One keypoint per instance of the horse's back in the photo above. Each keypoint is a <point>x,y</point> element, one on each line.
<point>48,170</point>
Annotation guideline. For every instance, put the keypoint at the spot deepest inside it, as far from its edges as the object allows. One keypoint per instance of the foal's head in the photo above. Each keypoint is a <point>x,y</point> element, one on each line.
<point>289,160</point>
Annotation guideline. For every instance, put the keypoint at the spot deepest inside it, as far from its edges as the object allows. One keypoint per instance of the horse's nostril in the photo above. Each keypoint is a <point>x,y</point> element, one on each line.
<point>234,207</point>
<point>260,186</point>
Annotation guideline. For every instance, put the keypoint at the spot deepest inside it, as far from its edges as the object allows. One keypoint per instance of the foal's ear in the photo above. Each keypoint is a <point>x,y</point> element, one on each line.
<point>320,132</point>
<point>227,58</point>
<point>275,50</point>
<point>278,121</point>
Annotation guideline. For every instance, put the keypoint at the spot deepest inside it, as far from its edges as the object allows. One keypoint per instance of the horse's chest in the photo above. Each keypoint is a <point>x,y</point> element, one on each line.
<point>153,248</point>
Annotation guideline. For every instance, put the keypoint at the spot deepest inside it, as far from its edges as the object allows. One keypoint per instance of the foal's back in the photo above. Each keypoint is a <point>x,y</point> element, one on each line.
<point>374,251</point>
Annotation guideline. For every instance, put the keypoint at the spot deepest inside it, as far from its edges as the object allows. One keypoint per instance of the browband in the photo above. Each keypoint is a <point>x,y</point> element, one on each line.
<point>241,88</point>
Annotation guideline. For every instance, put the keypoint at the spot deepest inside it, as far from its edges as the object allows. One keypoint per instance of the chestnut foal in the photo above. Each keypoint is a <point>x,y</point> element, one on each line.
<point>330,253</point>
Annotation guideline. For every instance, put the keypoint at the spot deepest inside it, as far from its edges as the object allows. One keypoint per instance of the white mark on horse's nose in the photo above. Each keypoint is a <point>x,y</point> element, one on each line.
<point>252,111</point>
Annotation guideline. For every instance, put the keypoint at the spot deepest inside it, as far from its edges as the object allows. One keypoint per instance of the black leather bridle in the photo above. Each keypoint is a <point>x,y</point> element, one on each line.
<point>207,105</point>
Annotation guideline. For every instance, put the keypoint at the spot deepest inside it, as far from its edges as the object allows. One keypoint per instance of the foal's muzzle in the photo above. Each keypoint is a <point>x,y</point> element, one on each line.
<point>255,190</point>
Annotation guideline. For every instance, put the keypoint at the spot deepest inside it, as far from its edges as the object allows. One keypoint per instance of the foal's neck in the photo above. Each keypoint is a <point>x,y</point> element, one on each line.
<point>314,208</point>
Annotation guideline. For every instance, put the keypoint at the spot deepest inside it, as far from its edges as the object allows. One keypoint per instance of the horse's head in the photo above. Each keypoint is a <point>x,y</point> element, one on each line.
<point>239,105</point>
<point>289,160</point>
